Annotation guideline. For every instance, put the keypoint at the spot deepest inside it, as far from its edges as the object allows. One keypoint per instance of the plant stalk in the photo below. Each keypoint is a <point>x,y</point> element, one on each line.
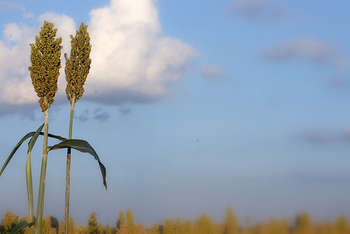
<point>66,213</point>
<point>29,187</point>
<point>40,210</point>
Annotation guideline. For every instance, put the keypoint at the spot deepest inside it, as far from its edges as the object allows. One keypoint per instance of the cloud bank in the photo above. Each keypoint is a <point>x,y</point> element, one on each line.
<point>132,61</point>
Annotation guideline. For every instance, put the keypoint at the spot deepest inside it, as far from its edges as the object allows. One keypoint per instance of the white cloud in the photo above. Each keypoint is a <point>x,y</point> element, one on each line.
<point>16,87</point>
<point>131,59</point>
<point>13,32</point>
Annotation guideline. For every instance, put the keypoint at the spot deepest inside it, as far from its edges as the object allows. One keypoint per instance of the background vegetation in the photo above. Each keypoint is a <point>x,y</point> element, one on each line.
<point>203,224</point>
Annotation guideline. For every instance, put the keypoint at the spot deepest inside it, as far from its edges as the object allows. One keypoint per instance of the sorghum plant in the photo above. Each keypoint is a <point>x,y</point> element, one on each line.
<point>45,58</point>
<point>46,63</point>
<point>77,69</point>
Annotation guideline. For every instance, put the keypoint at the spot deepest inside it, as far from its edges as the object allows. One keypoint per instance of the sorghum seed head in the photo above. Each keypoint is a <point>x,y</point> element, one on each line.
<point>78,64</point>
<point>46,63</point>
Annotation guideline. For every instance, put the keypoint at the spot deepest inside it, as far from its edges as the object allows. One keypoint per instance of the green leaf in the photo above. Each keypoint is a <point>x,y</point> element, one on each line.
<point>35,136</point>
<point>28,135</point>
<point>54,136</point>
<point>29,180</point>
<point>14,151</point>
<point>85,147</point>
<point>20,226</point>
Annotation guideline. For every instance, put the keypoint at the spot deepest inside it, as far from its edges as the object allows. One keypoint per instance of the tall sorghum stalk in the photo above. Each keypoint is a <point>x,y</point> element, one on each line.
<point>77,69</point>
<point>44,72</point>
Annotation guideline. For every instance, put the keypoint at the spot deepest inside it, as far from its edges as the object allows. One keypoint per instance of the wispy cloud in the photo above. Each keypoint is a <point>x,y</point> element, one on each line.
<point>313,52</point>
<point>322,178</point>
<point>258,9</point>
<point>18,7</point>
<point>210,71</point>
<point>125,110</point>
<point>325,136</point>
<point>84,116</point>
<point>96,114</point>
<point>340,80</point>
<point>100,115</point>
<point>310,50</point>
<point>131,59</point>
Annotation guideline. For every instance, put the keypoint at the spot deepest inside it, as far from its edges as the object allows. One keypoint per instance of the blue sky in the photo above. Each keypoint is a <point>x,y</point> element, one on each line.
<point>193,106</point>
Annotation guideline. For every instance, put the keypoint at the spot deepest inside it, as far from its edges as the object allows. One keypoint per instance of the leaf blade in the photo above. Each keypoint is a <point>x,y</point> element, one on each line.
<point>85,147</point>
<point>20,142</point>
<point>35,136</point>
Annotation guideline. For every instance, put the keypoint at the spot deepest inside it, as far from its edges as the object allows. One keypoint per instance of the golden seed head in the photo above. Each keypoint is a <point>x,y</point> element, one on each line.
<point>46,63</point>
<point>78,64</point>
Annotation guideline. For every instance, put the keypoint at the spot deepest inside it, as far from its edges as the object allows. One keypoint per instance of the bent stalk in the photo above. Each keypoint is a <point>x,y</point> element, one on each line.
<point>66,213</point>
<point>39,223</point>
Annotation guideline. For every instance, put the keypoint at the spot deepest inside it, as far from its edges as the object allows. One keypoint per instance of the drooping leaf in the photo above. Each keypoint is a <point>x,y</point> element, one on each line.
<point>54,136</point>
<point>85,147</point>
<point>20,142</point>
<point>20,226</point>
<point>14,150</point>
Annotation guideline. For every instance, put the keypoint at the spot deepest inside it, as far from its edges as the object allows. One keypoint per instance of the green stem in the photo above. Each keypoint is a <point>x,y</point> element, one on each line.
<point>29,187</point>
<point>40,209</point>
<point>66,213</point>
